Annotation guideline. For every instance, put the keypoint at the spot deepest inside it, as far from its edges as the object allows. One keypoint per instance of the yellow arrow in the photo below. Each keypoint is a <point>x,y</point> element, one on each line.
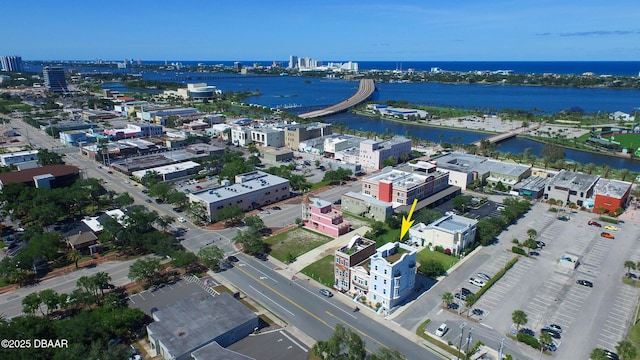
<point>406,221</point>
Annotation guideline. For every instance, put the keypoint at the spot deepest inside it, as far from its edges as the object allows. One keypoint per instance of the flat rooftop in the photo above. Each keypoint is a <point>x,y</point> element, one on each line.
<point>367,198</point>
<point>612,188</point>
<point>502,168</point>
<point>197,320</point>
<point>573,180</point>
<point>534,183</point>
<point>168,169</point>
<point>460,162</point>
<point>399,179</point>
<point>452,223</point>
<point>260,181</point>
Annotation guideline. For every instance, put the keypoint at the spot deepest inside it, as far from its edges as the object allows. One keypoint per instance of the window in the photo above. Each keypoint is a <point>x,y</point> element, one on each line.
<point>375,287</point>
<point>376,267</point>
<point>385,271</point>
<point>375,277</point>
<point>385,281</point>
<point>384,291</point>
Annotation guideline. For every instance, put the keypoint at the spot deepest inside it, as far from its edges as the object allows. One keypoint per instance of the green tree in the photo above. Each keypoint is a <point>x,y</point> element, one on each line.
<point>606,170</point>
<point>50,299</point>
<point>46,157</point>
<point>229,214</point>
<point>447,298</point>
<point>145,269</point>
<point>123,200</point>
<point>461,202</point>
<point>629,265</point>
<point>254,222</point>
<point>181,258</point>
<point>532,233</point>
<point>211,256</point>
<point>469,300</point>
<point>31,303</point>
<point>250,240</point>
<point>519,318</point>
<point>598,354</point>
<point>530,244</point>
<point>343,344</point>
<point>74,256</point>
<point>545,339</point>
<point>160,190</point>
<point>626,350</point>
<point>163,221</point>
<point>102,280</point>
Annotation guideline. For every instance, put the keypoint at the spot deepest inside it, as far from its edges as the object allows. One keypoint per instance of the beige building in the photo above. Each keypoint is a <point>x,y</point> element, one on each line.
<point>250,191</point>
<point>451,231</point>
<point>403,187</point>
<point>294,134</point>
<point>356,252</point>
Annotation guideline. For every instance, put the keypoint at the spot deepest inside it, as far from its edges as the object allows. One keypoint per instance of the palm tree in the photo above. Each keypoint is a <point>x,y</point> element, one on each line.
<point>624,173</point>
<point>606,170</point>
<point>598,354</point>
<point>591,167</point>
<point>545,339</point>
<point>531,233</point>
<point>626,350</point>
<point>630,265</point>
<point>102,279</point>
<point>519,318</point>
<point>74,256</point>
<point>447,298</point>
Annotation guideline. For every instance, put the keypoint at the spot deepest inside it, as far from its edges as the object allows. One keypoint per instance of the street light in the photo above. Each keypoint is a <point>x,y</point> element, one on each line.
<point>469,338</point>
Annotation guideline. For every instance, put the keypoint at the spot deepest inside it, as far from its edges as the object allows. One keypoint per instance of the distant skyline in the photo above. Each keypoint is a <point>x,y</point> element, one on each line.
<point>331,30</point>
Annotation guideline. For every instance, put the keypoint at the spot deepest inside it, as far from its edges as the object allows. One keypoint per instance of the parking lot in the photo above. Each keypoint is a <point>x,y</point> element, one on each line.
<point>161,298</point>
<point>548,293</point>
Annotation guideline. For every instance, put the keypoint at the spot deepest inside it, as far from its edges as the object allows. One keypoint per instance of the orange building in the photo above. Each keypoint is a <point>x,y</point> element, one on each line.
<point>611,194</point>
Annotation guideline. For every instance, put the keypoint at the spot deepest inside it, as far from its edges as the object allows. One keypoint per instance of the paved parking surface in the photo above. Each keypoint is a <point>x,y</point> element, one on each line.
<point>169,294</point>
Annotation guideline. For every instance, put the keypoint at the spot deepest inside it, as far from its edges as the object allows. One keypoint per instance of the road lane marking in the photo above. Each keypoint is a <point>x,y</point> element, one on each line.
<point>293,341</point>
<point>286,298</point>
<point>273,301</point>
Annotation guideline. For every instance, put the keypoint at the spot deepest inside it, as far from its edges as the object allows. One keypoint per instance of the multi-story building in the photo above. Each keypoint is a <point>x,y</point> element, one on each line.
<point>293,62</point>
<point>319,215</point>
<point>250,191</point>
<point>569,186</point>
<point>357,251</point>
<point>241,135</point>
<point>366,206</point>
<point>268,137</point>
<point>171,172</point>
<point>451,231</point>
<point>18,157</point>
<point>403,187</point>
<point>611,194</point>
<point>54,79</point>
<point>75,137</point>
<point>373,153</point>
<point>11,63</point>
<point>333,144</point>
<point>392,275</point>
<point>294,134</point>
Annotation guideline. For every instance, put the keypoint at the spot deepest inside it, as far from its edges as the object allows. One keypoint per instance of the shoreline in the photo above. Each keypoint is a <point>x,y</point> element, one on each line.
<point>488,132</point>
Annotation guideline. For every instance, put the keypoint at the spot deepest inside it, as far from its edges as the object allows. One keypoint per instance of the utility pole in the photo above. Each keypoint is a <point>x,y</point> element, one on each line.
<point>469,338</point>
<point>462,326</point>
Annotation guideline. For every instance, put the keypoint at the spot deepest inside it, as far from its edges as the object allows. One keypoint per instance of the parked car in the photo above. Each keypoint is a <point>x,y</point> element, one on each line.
<point>326,292</point>
<point>149,201</point>
<point>611,355</point>
<point>182,220</point>
<point>594,223</point>
<point>541,244</point>
<point>453,306</point>
<point>563,218</point>
<point>554,334</point>
<point>555,327</point>
<point>477,312</point>
<point>262,256</point>
<point>610,227</point>
<point>109,172</point>
<point>477,282</point>
<point>607,235</point>
<point>466,291</point>
<point>484,276</point>
<point>265,212</point>
<point>441,330</point>
<point>276,208</point>
<point>586,283</point>
<point>551,347</point>
<point>460,296</point>
<point>528,332</point>
<point>337,202</point>
<point>232,258</point>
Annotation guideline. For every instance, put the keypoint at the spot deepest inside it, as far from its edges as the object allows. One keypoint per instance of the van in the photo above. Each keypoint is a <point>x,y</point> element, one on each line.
<point>441,330</point>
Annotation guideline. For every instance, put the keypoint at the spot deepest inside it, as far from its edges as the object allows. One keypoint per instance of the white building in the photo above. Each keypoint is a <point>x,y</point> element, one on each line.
<point>18,157</point>
<point>451,231</point>
<point>171,172</point>
<point>241,135</point>
<point>268,137</point>
<point>392,275</point>
<point>372,153</point>
<point>250,191</point>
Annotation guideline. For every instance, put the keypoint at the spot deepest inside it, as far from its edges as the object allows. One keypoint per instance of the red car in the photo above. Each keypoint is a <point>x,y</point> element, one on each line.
<point>594,223</point>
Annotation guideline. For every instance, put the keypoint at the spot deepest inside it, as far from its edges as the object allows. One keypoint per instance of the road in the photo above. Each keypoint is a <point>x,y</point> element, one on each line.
<point>299,302</point>
<point>11,302</point>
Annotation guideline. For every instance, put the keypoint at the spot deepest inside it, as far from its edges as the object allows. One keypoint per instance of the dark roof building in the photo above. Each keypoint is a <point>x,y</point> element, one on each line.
<point>190,325</point>
<point>52,176</point>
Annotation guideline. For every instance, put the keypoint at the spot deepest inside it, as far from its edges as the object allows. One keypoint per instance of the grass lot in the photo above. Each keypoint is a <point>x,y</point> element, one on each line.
<point>627,140</point>
<point>296,241</point>
<point>634,335</point>
<point>10,105</point>
<point>446,260</point>
<point>321,271</point>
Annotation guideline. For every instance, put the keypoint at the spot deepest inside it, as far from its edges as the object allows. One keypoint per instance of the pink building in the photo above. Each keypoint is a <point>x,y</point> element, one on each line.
<point>319,215</point>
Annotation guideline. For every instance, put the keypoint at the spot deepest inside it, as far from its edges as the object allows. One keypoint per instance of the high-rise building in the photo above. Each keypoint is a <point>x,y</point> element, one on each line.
<point>11,63</point>
<point>237,66</point>
<point>293,62</point>
<point>54,79</point>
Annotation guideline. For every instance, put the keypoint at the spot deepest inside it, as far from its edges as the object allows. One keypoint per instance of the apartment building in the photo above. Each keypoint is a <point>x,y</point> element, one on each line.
<point>451,231</point>
<point>319,215</point>
<point>392,275</point>
<point>268,137</point>
<point>357,251</point>
<point>373,152</point>
<point>366,206</point>
<point>403,187</point>
<point>294,134</point>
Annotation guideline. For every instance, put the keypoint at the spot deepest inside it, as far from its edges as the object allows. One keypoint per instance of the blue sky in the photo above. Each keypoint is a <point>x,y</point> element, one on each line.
<point>266,30</point>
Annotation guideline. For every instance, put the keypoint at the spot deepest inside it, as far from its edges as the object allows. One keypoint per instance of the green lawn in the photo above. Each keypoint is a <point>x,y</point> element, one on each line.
<point>296,241</point>
<point>446,260</point>
<point>321,271</point>
<point>627,140</point>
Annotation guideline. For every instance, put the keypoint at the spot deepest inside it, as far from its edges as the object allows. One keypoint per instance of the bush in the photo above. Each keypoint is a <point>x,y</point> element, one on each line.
<point>439,249</point>
<point>515,241</point>
<point>518,250</point>
<point>432,269</point>
<point>447,251</point>
<point>529,340</point>
<point>496,277</point>
<point>609,220</point>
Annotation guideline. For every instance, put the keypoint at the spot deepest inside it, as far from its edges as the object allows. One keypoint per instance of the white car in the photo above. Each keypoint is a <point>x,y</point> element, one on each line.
<point>477,282</point>
<point>182,220</point>
<point>441,330</point>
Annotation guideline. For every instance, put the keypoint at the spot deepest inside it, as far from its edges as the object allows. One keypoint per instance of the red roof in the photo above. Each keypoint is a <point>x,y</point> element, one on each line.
<point>27,175</point>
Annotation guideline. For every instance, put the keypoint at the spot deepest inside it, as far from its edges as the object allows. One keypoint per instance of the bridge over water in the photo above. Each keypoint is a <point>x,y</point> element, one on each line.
<point>366,89</point>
